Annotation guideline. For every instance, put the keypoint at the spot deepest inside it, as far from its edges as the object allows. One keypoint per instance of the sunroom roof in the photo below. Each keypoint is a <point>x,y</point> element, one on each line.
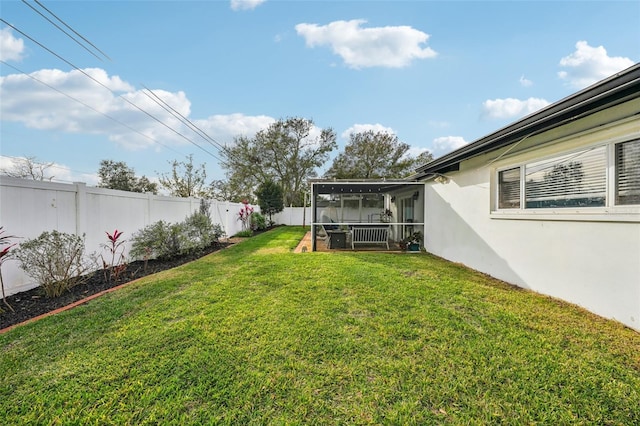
<point>331,186</point>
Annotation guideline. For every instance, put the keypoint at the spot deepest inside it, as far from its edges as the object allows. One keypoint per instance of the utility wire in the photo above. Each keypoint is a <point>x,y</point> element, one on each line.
<point>184,120</point>
<point>175,113</point>
<point>58,27</point>
<point>106,87</point>
<point>179,116</point>
<point>74,31</point>
<point>222,148</point>
<point>91,108</point>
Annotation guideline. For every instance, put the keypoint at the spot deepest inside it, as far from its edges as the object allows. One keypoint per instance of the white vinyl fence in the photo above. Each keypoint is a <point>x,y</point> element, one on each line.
<point>28,208</point>
<point>293,216</point>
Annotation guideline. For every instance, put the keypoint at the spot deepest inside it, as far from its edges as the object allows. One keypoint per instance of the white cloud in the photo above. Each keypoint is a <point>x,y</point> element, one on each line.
<point>525,82</point>
<point>588,65</point>
<point>392,47</point>
<point>80,105</point>
<point>438,124</point>
<point>223,128</point>
<point>245,4</point>
<point>360,128</point>
<point>510,107</point>
<point>63,173</point>
<point>414,151</point>
<point>37,106</point>
<point>11,48</point>
<point>445,144</point>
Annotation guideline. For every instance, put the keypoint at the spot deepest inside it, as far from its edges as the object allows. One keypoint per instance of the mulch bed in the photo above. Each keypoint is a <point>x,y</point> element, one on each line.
<point>30,304</point>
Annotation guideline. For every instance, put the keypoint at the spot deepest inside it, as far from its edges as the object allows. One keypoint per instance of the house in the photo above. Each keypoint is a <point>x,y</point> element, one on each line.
<point>550,203</point>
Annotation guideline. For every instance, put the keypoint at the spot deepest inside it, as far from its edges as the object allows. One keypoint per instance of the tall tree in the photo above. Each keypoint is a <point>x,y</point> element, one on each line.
<point>232,189</point>
<point>143,184</point>
<point>185,179</point>
<point>29,168</point>
<point>422,159</point>
<point>375,155</point>
<point>117,175</point>
<point>285,153</point>
<point>270,198</point>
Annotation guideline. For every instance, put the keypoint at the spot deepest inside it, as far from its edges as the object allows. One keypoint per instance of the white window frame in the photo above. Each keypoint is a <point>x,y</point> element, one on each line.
<point>609,212</point>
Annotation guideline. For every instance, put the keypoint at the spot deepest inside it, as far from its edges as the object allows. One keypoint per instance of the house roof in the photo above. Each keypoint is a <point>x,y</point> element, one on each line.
<point>612,91</point>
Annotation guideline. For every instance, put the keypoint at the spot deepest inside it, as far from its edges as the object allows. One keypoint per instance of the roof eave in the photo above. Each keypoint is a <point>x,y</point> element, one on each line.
<point>614,90</point>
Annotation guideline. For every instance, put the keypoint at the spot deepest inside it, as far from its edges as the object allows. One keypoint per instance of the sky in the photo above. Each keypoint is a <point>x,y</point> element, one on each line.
<point>437,74</point>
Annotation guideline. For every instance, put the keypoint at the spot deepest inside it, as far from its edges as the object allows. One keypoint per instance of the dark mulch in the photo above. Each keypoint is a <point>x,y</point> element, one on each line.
<point>30,304</point>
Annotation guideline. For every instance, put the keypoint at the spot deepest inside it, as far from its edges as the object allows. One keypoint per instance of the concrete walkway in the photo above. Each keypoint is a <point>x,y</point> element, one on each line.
<point>305,244</point>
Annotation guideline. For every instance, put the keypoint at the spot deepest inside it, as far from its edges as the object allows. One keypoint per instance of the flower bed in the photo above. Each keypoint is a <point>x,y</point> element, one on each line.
<point>32,303</point>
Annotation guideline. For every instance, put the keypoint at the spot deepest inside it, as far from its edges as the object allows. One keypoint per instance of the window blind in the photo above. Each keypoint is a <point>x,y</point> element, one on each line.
<point>628,172</point>
<point>572,180</point>
<point>509,189</point>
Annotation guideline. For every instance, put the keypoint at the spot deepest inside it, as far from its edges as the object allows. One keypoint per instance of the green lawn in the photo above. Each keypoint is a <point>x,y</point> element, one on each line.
<point>258,335</point>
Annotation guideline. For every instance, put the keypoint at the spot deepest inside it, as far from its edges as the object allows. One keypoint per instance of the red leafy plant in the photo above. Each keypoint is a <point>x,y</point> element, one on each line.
<point>244,215</point>
<point>116,264</point>
<point>4,255</point>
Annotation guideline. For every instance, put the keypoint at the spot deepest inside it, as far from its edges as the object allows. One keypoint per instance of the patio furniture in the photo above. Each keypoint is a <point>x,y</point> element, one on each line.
<point>369,234</point>
<point>337,239</point>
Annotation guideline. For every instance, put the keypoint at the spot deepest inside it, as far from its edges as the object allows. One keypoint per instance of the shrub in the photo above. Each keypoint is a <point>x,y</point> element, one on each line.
<point>245,233</point>
<point>56,260</point>
<point>157,240</point>
<point>164,240</point>
<point>270,198</point>
<point>200,232</point>
<point>258,222</point>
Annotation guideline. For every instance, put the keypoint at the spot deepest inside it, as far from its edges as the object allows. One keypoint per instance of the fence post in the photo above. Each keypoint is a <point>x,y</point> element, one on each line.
<point>147,213</point>
<point>229,231</point>
<point>81,208</point>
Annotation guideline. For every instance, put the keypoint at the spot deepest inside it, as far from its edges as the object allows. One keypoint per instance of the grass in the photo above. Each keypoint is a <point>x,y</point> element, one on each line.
<point>258,335</point>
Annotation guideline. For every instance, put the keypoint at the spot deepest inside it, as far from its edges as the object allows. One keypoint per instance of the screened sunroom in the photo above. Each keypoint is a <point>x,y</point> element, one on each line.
<point>365,214</point>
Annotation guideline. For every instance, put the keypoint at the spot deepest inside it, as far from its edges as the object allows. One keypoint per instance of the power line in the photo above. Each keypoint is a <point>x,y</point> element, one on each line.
<point>58,27</point>
<point>74,31</point>
<point>106,87</point>
<point>90,107</point>
<point>172,111</point>
<point>184,119</point>
<point>222,148</point>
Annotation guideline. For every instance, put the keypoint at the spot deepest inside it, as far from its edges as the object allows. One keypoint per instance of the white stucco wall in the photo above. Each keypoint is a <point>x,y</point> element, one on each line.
<point>592,260</point>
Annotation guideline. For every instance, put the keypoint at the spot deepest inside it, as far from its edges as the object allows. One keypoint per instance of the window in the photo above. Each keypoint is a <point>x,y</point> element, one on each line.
<point>509,189</point>
<point>373,201</point>
<point>574,180</point>
<point>628,172</point>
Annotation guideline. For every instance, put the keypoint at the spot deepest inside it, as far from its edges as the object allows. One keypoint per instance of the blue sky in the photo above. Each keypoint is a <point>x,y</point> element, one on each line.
<point>437,74</point>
